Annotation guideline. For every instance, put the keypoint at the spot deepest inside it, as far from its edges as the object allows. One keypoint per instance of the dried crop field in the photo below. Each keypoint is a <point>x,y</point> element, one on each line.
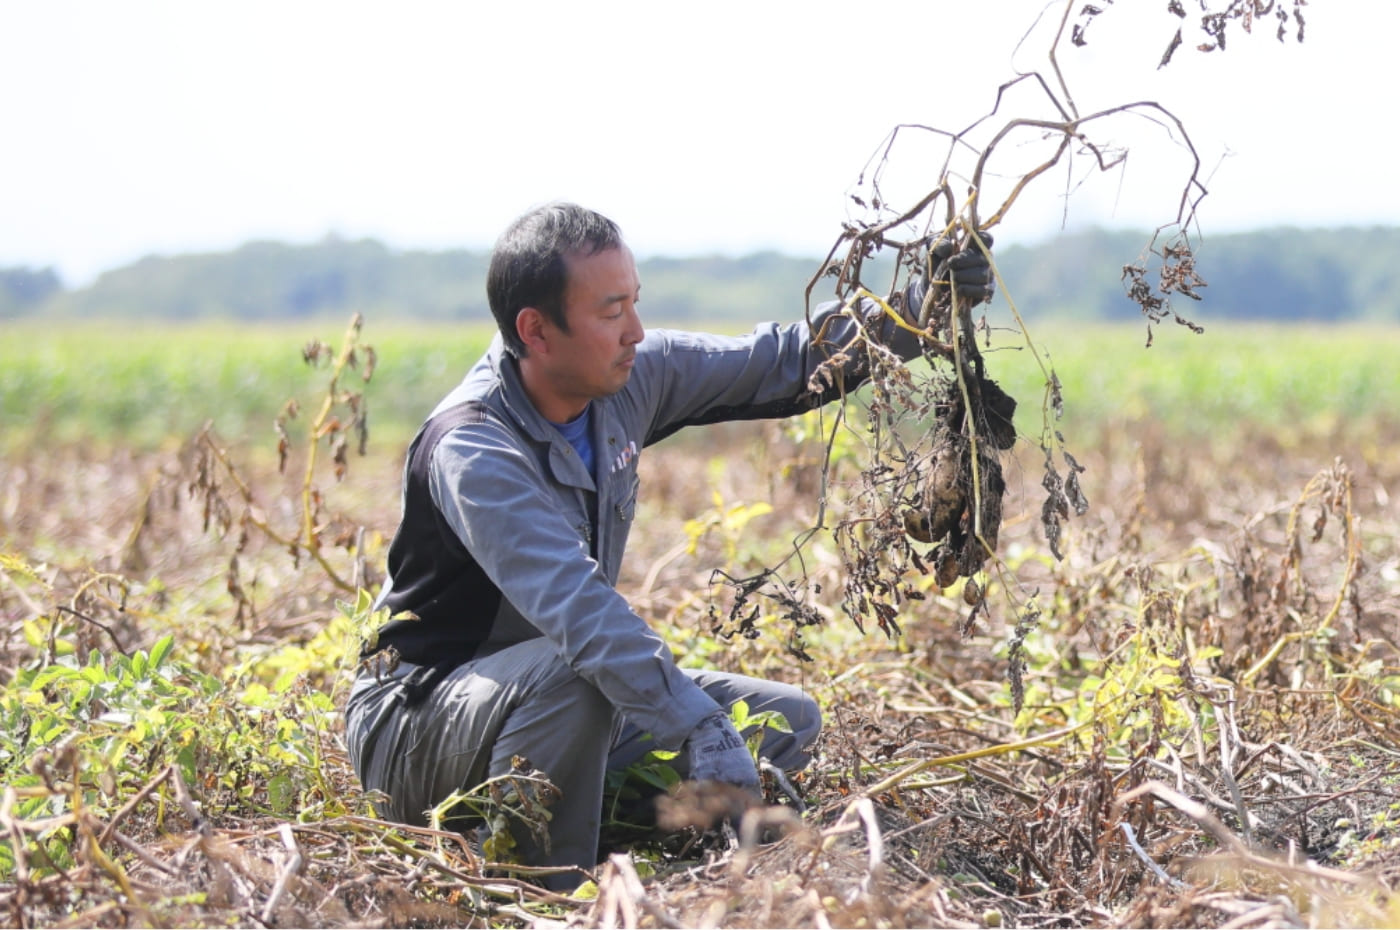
<point>1208,731</point>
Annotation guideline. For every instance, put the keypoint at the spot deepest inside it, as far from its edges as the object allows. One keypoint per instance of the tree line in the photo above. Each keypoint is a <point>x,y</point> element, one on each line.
<point>1285,274</point>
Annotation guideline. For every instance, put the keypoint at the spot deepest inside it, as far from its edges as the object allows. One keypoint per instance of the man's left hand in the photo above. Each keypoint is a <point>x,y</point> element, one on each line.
<point>716,752</point>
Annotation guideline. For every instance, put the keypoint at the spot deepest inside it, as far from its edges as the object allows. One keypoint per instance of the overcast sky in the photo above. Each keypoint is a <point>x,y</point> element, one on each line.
<point>147,127</point>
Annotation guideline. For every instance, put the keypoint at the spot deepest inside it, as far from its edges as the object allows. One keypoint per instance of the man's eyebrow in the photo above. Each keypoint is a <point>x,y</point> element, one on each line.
<point>619,298</point>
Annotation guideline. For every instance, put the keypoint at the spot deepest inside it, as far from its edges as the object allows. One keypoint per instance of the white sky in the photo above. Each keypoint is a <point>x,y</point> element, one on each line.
<point>163,127</point>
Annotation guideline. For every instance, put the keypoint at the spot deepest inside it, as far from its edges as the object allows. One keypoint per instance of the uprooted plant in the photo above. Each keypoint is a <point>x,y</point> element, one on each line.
<point>926,507</point>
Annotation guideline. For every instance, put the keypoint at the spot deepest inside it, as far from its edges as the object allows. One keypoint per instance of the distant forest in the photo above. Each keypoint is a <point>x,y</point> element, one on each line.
<point>1347,274</point>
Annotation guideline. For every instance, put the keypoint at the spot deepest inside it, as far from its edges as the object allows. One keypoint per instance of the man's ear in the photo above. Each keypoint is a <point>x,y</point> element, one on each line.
<point>530,327</point>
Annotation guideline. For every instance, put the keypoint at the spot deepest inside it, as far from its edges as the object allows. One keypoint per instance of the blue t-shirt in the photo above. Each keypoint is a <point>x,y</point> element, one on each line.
<point>579,432</point>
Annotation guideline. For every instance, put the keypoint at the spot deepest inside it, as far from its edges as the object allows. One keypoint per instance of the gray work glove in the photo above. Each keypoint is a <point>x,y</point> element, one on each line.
<point>716,752</point>
<point>968,272</point>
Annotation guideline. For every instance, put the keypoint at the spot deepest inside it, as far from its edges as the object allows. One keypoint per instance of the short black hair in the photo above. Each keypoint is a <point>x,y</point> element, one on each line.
<point>527,265</point>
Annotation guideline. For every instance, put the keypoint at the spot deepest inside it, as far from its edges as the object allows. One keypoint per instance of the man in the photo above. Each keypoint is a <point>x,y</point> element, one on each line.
<point>519,494</point>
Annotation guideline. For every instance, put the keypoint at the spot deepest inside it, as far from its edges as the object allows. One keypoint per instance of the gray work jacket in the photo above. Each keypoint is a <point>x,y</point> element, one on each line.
<point>520,541</point>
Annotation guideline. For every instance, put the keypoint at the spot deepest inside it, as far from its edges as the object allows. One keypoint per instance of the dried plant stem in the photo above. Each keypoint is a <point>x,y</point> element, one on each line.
<point>1147,860</point>
<point>307,544</point>
<point>957,758</point>
<point>969,421</point>
<point>146,791</point>
<point>621,894</point>
<point>289,869</point>
<point>319,427</point>
<point>1336,480</point>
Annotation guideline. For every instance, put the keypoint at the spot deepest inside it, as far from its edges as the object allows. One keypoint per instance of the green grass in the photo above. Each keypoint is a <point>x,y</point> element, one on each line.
<point>1292,379</point>
<point>142,386</point>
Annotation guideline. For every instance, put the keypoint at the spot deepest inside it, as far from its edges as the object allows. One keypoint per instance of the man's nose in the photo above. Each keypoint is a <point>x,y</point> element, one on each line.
<point>635,331</point>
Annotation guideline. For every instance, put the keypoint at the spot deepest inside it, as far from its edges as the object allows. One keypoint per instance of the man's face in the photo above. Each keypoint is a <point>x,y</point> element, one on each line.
<point>594,358</point>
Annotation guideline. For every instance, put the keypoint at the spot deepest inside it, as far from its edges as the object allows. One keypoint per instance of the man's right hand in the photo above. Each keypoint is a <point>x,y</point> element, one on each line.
<point>716,752</point>
<point>968,273</point>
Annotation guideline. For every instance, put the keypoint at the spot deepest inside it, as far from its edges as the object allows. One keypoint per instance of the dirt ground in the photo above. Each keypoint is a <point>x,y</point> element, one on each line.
<point>1209,733</point>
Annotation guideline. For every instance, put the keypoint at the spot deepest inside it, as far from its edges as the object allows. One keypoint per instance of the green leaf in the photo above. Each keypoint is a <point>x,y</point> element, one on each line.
<point>587,891</point>
<point>185,759</point>
<point>281,793</point>
<point>13,565</point>
<point>500,845</point>
<point>257,695</point>
<point>659,776</point>
<point>319,701</point>
<point>35,637</point>
<point>161,649</point>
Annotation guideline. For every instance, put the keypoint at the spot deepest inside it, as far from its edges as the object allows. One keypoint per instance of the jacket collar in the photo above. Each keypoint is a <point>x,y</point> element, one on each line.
<point>506,373</point>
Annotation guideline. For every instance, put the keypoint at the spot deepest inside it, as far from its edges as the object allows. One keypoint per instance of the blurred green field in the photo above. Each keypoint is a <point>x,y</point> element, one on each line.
<point>1295,380</point>
<point>143,387</point>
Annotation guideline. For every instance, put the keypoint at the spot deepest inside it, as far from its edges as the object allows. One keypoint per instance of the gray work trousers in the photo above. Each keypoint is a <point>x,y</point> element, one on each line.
<point>525,701</point>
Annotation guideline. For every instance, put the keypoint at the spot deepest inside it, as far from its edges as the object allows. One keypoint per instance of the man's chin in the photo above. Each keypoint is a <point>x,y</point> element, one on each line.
<point>617,385</point>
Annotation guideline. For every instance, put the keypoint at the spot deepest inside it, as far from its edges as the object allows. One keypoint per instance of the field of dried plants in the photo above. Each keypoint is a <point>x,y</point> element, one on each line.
<point>1191,719</point>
